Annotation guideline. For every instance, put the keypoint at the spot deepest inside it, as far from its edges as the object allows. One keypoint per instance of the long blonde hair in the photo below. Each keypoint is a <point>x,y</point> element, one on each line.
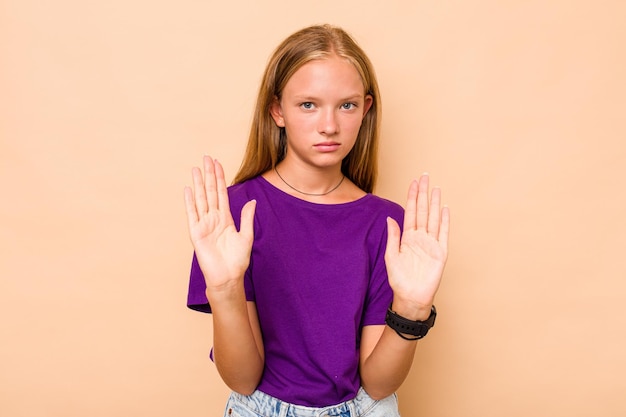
<point>267,142</point>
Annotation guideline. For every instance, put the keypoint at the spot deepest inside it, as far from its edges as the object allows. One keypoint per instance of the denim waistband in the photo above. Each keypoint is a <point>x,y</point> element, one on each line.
<point>267,405</point>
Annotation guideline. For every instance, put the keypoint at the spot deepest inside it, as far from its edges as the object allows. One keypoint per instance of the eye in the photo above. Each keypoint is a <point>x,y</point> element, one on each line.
<point>348,106</point>
<point>307,105</point>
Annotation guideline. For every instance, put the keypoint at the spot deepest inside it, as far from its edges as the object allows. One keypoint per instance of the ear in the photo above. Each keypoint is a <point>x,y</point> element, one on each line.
<point>367,104</point>
<point>277,112</point>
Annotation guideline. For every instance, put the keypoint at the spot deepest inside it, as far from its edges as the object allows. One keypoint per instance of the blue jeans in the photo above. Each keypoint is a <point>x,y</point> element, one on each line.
<point>260,404</point>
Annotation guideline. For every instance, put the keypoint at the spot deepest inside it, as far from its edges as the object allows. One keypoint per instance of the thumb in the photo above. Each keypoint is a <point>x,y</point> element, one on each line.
<point>393,239</point>
<point>247,220</point>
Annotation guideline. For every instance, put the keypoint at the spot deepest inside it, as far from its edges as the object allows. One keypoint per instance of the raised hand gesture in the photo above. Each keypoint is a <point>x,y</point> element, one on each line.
<point>223,253</point>
<point>416,261</point>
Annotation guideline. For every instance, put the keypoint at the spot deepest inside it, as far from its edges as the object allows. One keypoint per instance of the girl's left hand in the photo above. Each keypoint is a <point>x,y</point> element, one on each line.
<point>416,261</point>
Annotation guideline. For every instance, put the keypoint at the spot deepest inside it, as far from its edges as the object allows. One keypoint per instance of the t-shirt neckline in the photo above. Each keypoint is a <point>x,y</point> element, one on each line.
<point>293,199</point>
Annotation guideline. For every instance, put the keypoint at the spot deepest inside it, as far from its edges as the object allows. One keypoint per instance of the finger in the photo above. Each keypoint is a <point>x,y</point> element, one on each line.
<point>435,208</point>
<point>444,228</point>
<point>247,220</point>
<point>221,191</point>
<point>410,211</point>
<point>393,240</point>
<point>198,191</point>
<point>210,183</point>
<point>422,203</point>
<point>192,214</point>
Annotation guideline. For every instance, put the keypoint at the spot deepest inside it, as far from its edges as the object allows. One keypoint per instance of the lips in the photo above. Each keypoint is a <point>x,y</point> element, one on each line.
<point>327,146</point>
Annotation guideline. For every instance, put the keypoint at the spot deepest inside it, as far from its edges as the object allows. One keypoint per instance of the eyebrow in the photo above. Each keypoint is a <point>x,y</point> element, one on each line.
<point>314,98</point>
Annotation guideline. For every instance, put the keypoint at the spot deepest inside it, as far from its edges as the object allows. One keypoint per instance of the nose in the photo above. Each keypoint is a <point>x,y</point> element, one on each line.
<point>328,123</point>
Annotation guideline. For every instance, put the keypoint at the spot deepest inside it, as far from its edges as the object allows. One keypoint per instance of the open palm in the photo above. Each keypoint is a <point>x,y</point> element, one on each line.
<point>223,253</point>
<point>415,261</point>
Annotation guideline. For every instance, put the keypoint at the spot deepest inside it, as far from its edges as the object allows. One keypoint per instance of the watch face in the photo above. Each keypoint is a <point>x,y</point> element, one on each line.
<point>432,317</point>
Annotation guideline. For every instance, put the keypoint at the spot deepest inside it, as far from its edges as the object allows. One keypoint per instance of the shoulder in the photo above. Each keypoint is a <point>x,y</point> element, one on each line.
<point>244,191</point>
<point>371,213</point>
<point>384,206</point>
<point>239,194</point>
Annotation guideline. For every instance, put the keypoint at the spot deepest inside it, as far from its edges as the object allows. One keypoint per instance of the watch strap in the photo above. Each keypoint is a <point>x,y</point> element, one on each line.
<point>404,326</point>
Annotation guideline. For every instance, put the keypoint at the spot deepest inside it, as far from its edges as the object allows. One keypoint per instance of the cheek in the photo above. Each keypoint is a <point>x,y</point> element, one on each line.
<point>304,124</point>
<point>353,125</point>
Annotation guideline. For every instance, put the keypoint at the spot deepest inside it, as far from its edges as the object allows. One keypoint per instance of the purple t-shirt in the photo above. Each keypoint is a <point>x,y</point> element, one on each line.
<point>317,275</point>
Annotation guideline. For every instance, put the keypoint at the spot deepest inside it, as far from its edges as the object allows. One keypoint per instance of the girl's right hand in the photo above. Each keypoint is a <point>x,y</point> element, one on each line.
<point>223,253</point>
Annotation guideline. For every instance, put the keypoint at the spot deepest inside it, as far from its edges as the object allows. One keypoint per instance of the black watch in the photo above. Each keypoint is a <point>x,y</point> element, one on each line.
<point>404,326</point>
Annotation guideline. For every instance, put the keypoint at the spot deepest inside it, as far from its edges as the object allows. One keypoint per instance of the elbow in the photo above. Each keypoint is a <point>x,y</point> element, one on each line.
<point>243,380</point>
<point>379,395</point>
<point>243,387</point>
<point>243,384</point>
<point>245,391</point>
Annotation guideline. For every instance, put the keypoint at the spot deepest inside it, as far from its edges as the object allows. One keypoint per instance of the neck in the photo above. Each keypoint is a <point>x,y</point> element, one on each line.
<point>310,188</point>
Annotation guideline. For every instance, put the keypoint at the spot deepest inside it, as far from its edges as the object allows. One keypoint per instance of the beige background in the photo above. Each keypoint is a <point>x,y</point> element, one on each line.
<point>516,108</point>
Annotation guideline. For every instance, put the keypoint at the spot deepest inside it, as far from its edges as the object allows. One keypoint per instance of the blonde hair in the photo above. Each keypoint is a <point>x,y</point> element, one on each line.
<point>267,142</point>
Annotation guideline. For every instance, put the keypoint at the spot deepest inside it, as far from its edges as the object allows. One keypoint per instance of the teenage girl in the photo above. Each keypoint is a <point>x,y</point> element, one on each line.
<point>316,297</point>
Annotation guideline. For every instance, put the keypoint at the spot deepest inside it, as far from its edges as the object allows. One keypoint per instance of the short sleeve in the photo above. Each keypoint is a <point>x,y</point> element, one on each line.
<point>379,294</point>
<point>196,296</point>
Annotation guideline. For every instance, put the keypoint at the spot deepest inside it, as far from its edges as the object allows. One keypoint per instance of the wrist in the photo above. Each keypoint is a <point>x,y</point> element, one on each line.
<point>411,310</point>
<point>226,293</point>
<point>410,329</point>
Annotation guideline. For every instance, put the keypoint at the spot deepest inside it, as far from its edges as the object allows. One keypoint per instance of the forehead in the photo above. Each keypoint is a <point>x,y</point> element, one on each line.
<point>326,75</point>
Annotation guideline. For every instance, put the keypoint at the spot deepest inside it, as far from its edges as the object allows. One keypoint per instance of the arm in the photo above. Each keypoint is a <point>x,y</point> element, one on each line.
<point>223,254</point>
<point>238,347</point>
<point>415,265</point>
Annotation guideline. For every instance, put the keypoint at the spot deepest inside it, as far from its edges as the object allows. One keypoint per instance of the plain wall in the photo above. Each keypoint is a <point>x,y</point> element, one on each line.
<point>516,108</point>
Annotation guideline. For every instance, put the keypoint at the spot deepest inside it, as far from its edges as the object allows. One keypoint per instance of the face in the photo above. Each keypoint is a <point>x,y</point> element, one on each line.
<point>321,108</point>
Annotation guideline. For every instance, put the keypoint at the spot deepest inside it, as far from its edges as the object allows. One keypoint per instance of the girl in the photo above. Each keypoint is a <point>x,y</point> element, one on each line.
<point>317,300</point>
